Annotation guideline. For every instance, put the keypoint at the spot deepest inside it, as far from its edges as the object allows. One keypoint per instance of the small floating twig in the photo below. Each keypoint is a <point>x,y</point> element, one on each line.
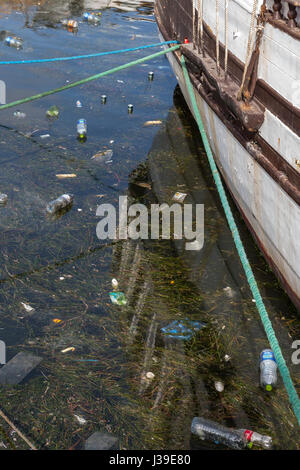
<point>17,430</point>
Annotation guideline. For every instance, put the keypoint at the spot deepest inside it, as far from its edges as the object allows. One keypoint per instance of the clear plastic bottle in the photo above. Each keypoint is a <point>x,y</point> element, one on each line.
<point>82,129</point>
<point>268,370</point>
<point>13,41</point>
<point>60,203</point>
<point>238,439</point>
<point>3,199</point>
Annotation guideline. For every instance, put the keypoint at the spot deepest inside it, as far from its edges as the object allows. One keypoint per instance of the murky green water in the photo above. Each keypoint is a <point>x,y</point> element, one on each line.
<point>61,269</point>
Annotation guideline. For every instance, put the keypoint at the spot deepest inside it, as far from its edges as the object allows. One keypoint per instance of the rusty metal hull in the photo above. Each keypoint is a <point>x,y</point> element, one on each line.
<point>270,213</point>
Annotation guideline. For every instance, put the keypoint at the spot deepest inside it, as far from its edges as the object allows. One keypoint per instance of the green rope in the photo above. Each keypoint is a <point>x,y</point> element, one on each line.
<point>292,393</point>
<point>88,79</point>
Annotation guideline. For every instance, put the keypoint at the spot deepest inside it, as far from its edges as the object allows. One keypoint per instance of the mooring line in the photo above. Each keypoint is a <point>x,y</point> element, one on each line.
<point>86,56</point>
<point>284,371</point>
<point>89,79</point>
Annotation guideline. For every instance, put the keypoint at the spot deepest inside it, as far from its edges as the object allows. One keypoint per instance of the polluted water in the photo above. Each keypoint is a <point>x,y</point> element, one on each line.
<point>133,334</point>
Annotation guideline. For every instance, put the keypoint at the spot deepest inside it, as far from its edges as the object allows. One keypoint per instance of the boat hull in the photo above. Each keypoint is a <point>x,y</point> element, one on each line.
<point>271,214</point>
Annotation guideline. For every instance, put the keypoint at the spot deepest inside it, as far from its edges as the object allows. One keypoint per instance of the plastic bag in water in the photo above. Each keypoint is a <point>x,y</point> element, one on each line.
<point>184,329</point>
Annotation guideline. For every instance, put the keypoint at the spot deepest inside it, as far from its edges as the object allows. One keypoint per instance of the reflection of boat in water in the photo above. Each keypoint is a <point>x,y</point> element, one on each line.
<point>244,66</point>
<point>7,6</point>
<point>163,282</point>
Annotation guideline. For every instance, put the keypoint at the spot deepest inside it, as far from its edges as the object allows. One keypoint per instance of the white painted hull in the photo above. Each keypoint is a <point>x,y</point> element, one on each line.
<point>272,215</point>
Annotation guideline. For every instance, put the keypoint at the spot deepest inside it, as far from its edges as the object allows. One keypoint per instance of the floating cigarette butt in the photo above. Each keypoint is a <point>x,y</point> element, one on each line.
<point>68,350</point>
<point>152,123</point>
<point>66,175</point>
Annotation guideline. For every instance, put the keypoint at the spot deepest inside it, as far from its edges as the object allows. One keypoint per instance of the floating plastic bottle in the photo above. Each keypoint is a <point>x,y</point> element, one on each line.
<point>60,203</point>
<point>3,199</point>
<point>71,24</point>
<point>82,129</point>
<point>19,115</point>
<point>236,439</point>
<point>91,18</point>
<point>268,370</point>
<point>13,41</point>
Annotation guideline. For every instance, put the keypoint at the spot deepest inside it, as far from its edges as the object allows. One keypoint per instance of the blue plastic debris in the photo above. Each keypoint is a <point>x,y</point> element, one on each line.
<point>118,298</point>
<point>182,329</point>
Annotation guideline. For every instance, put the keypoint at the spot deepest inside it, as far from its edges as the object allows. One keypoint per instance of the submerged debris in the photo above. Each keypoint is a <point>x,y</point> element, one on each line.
<point>3,199</point>
<point>53,112</point>
<point>103,156</point>
<point>219,386</point>
<point>15,370</point>
<point>27,307</point>
<point>101,441</point>
<point>179,197</point>
<point>80,420</point>
<point>118,298</point>
<point>182,329</point>
<point>60,203</point>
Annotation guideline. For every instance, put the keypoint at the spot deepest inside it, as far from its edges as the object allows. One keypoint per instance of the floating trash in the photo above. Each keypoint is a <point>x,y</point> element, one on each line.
<point>130,108</point>
<point>151,76</point>
<point>19,115</point>
<point>70,24</point>
<point>103,99</point>
<point>60,203</point>
<point>115,283</point>
<point>179,197</point>
<point>66,175</point>
<point>118,298</point>
<point>27,307</point>
<point>52,112</point>
<point>3,199</point>
<point>91,18</point>
<point>78,104</point>
<point>227,358</point>
<point>103,156</point>
<point>57,321</point>
<point>71,349</point>
<point>45,136</point>
<point>229,292</point>
<point>80,420</point>
<point>182,329</point>
<point>152,123</point>
<point>268,370</point>
<point>207,429</point>
<point>14,41</point>
<point>82,129</point>
<point>219,386</point>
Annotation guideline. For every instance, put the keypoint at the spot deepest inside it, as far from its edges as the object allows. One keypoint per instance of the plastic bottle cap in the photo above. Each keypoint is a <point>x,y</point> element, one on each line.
<point>250,445</point>
<point>268,388</point>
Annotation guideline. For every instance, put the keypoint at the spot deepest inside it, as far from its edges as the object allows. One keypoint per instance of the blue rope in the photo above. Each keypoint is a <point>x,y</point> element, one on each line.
<point>88,56</point>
